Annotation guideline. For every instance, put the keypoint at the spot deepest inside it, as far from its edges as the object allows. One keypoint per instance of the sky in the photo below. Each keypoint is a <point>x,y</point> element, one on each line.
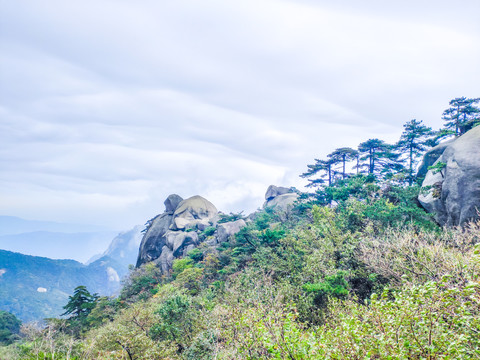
<point>107,107</point>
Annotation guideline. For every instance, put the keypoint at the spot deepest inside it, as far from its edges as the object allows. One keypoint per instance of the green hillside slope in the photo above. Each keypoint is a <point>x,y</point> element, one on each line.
<point>34,288</point>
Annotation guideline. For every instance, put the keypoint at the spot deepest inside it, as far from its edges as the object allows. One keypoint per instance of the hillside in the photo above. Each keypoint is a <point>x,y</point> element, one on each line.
<point>34,288</point>
<point>356,269</point>
<point>22,275</point>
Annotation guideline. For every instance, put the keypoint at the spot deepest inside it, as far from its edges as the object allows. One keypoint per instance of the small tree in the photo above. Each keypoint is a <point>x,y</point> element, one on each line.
<point>81,303</point>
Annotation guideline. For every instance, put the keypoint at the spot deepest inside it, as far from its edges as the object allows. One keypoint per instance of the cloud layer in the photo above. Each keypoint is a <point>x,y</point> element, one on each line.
<point>109,106</point>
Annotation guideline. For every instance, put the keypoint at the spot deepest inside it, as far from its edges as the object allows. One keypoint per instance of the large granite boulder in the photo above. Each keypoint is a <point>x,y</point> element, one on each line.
<point>452,193</point>
<point>194,212</point>
<point>174,233</point>
<point>165,260</point>
<point>431,156</point>
<point>228,229</point>
<point>274,191</point>
<point>177,244</point>
<point>280,198</point>
<point>154,239</point>
<point>178,241</point>
<point>172,202</point>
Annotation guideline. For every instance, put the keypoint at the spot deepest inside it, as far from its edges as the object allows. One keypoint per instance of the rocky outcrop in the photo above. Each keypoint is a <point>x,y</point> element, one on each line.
<point>228,229</point>
<point>180,242</point>
<point>177,244</point>
<point>452,192</point>
<point>179,229</point>
<point>154,239</point>
<point>274,191</point>
<point>281,198</point>
<point>194,212</point>
<point>187,224</point>
<point>172,202</point>
<point>431,156</point>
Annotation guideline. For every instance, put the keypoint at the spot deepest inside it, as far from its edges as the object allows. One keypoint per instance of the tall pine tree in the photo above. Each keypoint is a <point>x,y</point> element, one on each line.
<point>342,156</point>
<point>412,143</point>
<point>321,169</point>
<point>379,157</point>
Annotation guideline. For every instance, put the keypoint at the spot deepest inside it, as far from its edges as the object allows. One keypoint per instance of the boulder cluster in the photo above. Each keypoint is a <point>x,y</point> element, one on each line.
<point>451,188</point>
<point>175,232</point>
<point>179,228</point>
<point>281,198</point>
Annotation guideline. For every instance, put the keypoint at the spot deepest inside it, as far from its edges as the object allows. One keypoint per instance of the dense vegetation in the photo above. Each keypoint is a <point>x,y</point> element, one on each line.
<point>9,328</point>
<point>23,275</point>
<point>356,270</point>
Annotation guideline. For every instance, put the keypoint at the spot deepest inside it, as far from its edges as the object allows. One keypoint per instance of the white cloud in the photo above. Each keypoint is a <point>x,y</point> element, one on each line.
<point>107,107</point>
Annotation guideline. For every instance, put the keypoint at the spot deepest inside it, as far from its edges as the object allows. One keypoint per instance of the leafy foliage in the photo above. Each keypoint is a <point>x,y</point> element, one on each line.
<point>9,328</point>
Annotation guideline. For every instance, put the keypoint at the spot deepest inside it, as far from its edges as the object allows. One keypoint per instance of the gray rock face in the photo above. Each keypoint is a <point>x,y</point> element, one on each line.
<point>154,239</point>
<point>193,212</point>
<point>165,260</point>
<point>281,198</point>
<point>431,156</point>
<point>454,192</point>
<point>226,230</point>
<point>172,202</point>
<point>274,191</point>
<point>282,202</point>
<point>178,241</point>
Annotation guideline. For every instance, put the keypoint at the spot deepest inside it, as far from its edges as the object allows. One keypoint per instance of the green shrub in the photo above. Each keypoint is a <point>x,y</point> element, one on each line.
<point>196,255</point>
<point>333,286</point>
<point>179,265</point>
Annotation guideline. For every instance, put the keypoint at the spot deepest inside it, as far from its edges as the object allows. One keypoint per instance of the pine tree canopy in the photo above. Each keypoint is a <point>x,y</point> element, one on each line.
<point>379,157</point>
<point>81,303</point>
<point>414,140</point>
<point>461,116</point>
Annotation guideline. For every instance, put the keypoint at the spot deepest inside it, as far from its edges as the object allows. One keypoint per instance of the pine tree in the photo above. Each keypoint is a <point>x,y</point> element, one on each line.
<point>381,159</point>
<point>322,169</point>
<point>81,303</point>
<point>343,155</point>
<point>461,116</point>
<point>412,143</point>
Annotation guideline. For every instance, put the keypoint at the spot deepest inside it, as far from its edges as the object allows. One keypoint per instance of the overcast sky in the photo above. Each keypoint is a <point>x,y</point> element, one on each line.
<point>107,107</point>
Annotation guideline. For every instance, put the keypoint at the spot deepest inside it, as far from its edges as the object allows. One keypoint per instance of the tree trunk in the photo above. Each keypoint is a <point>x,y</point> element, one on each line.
<point>410,175</point>
<point>329,175</point>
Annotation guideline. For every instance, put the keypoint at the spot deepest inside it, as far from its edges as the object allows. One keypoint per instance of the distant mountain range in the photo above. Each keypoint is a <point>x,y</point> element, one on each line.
<point>15,225</point>
<point>34,287</point>
<point>53,240</point>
